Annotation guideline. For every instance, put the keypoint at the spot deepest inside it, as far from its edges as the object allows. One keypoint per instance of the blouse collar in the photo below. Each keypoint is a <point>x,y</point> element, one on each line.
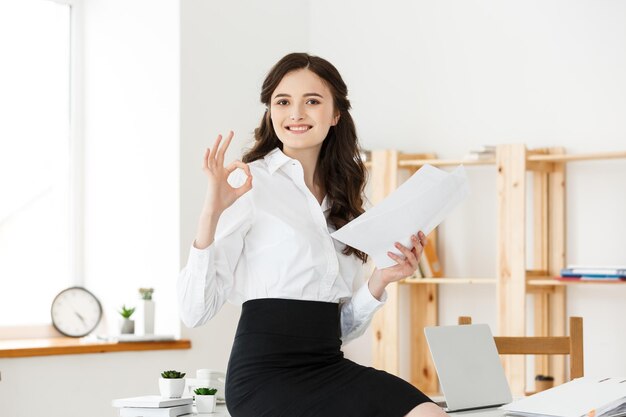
<point>276,159</point>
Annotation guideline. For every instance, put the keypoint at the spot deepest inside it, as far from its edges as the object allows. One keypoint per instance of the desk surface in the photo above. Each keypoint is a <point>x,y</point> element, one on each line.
<point>220,411</point>
<point>492,412</point>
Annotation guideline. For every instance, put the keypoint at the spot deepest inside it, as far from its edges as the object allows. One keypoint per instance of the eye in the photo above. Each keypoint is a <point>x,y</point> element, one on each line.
<point>282,102</point>
<point>312,101</point>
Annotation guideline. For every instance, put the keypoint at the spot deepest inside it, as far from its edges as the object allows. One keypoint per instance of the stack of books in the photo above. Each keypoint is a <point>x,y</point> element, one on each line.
<point>484,153</point>
<point>153,406</point>
<point>429,266</point>
<point>610,273</point>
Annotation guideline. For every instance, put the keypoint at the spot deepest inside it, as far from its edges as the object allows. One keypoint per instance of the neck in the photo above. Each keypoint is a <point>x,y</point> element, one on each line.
<point>308,160</point>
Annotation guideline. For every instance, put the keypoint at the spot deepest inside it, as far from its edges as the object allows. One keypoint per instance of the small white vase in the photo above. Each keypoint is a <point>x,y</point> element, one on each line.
<point>127,326</point>
<point>171,387</point>
<point>205,403</point>
<point>145,317</point>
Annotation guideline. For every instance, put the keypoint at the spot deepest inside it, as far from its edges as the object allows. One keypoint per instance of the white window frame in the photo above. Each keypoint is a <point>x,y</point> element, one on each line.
<point>76,174</point>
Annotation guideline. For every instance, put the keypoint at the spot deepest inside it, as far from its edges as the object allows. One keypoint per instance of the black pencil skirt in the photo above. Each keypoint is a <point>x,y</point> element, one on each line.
<point>286,362</point>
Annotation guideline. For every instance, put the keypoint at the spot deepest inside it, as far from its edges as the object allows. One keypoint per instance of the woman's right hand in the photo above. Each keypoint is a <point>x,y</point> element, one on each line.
<point>220,194</point>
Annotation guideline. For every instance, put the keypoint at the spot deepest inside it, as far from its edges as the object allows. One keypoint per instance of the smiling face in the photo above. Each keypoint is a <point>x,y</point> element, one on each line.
<point>302,112</point>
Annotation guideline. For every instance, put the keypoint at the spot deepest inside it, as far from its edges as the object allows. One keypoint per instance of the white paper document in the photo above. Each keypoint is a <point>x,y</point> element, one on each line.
<point>420,203</point>
<point>151,401</point>
<point>587,396</point>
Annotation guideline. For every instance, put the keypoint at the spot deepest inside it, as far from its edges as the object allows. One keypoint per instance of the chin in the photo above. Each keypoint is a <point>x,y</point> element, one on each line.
<point>297,142</point>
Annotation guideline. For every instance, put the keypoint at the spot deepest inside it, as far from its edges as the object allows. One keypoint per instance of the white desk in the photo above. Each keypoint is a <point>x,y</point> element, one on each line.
<point>220,411</point>
<point>490,412</point>
<point>493,412</point>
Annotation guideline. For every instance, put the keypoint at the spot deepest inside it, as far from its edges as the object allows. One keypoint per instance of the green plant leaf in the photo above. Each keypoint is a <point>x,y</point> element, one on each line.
<point>172,374</point>
<point>205,391</point>
<point>126,312</point>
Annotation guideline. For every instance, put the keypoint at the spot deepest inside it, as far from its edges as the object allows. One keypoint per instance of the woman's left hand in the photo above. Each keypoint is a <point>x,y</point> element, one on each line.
<point>407,264</point>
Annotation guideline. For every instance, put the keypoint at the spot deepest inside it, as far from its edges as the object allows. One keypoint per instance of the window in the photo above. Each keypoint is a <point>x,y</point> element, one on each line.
<point>37,198</point>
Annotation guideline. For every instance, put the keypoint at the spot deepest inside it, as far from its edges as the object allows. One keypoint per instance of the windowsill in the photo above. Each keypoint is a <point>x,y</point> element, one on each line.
<point>69,346</point>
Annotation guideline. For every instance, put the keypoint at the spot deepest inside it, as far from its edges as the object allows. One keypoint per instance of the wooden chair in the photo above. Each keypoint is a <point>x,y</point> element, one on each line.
<point>571,345</point>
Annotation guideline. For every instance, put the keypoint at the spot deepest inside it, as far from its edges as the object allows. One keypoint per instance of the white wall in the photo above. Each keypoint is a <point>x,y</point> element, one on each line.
<point>131,143</point>
<point>449,76</point>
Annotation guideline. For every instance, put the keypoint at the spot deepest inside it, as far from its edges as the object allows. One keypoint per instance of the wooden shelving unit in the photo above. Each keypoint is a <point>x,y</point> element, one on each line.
<point>513,280</point>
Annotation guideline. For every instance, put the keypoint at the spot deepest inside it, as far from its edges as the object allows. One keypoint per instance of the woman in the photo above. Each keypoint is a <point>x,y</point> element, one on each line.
<point>264,240</point>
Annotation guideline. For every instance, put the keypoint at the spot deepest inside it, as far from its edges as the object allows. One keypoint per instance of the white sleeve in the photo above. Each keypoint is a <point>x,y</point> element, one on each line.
<point>205,283</point>
<point>357,313</point>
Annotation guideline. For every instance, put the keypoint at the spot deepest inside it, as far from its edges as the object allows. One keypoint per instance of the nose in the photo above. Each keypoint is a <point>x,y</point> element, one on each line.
<point>297,112</point>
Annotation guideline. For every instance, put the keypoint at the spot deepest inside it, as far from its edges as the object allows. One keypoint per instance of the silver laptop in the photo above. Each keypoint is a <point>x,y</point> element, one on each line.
<point>468,365</point>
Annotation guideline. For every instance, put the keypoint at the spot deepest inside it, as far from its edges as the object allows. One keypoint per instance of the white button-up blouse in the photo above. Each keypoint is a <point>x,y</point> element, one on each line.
<point>274,242</point>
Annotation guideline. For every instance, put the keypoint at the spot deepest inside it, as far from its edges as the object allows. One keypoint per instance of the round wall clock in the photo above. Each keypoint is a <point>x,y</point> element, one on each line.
<point>75,312</point>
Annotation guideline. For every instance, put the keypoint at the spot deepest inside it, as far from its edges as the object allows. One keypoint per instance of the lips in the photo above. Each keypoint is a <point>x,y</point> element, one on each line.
<point>298,128</point>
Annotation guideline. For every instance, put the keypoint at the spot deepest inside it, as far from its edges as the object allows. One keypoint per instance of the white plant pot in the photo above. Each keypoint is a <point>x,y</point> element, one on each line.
<point>127,326</point>
<point>145,317</point>
<point>171,387</point>
<point>205,403</point>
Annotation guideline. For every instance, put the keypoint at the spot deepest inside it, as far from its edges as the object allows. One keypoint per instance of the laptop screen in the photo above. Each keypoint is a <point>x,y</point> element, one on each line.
<point>468,365</point>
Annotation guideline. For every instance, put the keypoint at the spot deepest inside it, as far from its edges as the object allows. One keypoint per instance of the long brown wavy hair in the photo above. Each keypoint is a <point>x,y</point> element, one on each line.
<point>339,166</point>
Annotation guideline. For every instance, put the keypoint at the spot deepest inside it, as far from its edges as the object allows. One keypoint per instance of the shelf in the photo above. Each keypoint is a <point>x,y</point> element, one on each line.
<point>444,162</point>
<point>69,346</point>
<point>530,158</point>
<point>576,157</point>
<point>532,281</point>
<point>414,281</point>
<point>552,281</point>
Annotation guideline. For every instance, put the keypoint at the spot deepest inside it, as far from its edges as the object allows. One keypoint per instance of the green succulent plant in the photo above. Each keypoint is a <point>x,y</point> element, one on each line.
<point>205,391</point>
<point>126,312</point>
<point>172,374</point>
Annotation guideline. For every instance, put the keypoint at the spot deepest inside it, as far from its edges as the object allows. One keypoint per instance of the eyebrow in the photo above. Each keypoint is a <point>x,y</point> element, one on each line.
<point>304,95</point>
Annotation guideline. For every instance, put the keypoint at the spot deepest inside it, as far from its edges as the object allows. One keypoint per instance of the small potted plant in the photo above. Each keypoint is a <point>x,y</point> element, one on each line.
<point>172,384</point>
<point>145,312</point>
<point>146,293</point>
<point>127,325</point>
<point>205,400</point>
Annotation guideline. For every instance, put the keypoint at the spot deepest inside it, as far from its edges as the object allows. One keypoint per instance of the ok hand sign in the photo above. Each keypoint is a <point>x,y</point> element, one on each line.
<point>220,194</point>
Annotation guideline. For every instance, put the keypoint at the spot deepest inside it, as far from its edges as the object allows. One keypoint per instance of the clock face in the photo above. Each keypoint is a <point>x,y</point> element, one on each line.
<point>75,312</point>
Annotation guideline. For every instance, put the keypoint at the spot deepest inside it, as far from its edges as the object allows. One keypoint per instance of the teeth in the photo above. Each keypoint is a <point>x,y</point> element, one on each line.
<point>299,128</point>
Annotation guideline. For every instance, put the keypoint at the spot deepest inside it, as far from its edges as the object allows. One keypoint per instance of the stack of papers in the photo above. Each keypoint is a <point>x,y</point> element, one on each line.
<point>485,152</point>
<point>153,406</point>
<point>420,203</point>
<point>591,397</point>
